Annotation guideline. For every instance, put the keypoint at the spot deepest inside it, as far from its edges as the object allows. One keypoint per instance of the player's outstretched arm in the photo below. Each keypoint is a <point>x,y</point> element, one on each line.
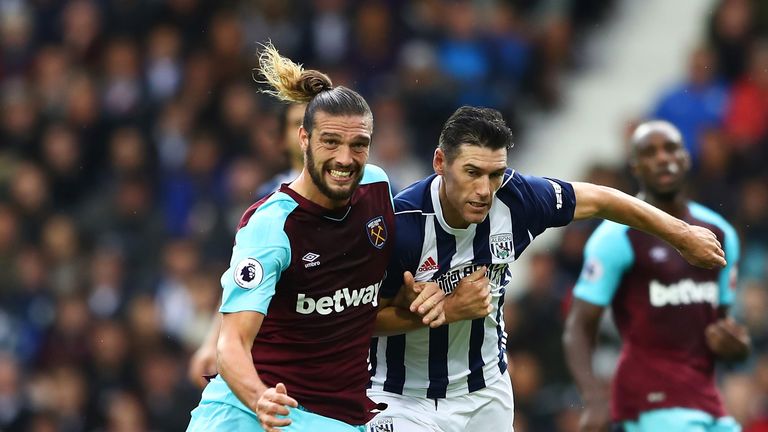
<point>238,330</point>
<point>202,365</point>
<point>699,246</point>
<point>579,339</point>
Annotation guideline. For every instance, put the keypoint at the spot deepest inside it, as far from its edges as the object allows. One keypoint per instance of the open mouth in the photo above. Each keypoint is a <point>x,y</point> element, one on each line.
<point>477,205</point>
<point>340,176</point>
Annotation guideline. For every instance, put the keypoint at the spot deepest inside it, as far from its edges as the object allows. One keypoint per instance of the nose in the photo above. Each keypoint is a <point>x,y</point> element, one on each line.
<point>343,155</point>
<point>664,156</point>
<point>483,187</point>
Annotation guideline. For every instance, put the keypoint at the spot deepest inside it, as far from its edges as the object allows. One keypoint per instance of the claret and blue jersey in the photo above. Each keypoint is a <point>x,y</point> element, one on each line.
<point>315,274</point>
<point>661,305</point>
<point>465,356</point>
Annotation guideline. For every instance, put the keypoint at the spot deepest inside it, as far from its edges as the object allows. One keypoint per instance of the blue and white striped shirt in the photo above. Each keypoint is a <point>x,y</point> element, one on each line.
<point>465,356</point>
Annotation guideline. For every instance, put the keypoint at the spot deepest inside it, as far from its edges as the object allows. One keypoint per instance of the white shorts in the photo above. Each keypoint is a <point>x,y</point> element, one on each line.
<point>488,409</point>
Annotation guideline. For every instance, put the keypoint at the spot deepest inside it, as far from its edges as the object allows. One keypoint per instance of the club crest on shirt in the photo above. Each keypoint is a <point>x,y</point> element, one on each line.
<point>385,424</point>
<point>377,231</point>
<point>248,273</point>
<point>501,245</point>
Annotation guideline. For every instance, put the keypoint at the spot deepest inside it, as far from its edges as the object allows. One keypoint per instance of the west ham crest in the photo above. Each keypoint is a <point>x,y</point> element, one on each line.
<point>501,245</point>
<point>377,231</point>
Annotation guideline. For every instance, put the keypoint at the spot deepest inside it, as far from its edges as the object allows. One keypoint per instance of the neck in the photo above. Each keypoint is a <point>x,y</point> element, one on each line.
<point>451,215</point>
<point>675,204</point>
<point>304,186</point>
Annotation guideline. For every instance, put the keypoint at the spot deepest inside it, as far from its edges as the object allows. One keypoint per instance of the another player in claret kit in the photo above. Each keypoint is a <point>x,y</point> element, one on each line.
<point>300,296</point>
<point>672,316</point>
<point>462,228</point>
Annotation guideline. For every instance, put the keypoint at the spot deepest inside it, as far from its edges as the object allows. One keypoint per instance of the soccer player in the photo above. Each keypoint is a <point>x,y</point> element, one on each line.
<point>202,364</point>
<point>301,292</point>
<point>672,316</point>
<point>462,227</point>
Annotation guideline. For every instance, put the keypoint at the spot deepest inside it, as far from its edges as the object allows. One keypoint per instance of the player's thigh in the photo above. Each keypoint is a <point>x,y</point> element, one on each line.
<point>726,424</point>
<point>304,421</point>
<point>214,416</point>
<point>675,420</point>
<point>403,414</point>
<point>495,407</point>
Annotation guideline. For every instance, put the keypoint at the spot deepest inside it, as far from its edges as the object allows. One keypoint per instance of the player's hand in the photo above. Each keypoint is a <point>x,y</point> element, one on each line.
<point>728,339</point>
<point>700,247</point>
<point>470,299</point>
<point>202,364</point>
<point>273,402</point>
<point>436,316</point>
<point>596,416</point>
<point>428,295</point>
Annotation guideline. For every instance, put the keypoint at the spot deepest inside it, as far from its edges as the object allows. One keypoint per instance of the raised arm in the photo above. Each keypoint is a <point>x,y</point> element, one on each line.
<point>238,330</point>
<point>699,246</point>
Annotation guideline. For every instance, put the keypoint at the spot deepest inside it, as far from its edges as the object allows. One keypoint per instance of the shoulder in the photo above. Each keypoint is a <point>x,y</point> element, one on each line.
<point>374,174</point>
<point>709,216</point>
<point>523,183</point>
<point>731,243</point>
<point>608,233</point>
<point>266,220</point>
<point>413,199</point>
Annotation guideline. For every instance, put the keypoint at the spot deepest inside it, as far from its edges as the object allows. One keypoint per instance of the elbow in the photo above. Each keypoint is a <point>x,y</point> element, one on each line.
<point>593,200</point>
<point>226,349</point>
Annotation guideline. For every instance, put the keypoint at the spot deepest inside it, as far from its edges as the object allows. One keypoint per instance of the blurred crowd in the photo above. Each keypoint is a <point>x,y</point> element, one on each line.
<point>132,137</point>
<point>721,108</point>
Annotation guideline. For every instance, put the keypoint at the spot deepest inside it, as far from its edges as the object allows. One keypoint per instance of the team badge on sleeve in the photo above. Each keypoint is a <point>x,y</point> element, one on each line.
<point>248,273</point>
<point>593,270</point>
<point>377,231</point>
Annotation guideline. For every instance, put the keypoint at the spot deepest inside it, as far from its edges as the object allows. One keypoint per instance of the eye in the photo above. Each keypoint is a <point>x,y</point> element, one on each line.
<point>472,173</point>
<point>360,147</point>
<point>497,175</point>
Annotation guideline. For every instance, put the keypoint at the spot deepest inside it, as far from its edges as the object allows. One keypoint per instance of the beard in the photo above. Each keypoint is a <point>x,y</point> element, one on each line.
<point>319,179</point>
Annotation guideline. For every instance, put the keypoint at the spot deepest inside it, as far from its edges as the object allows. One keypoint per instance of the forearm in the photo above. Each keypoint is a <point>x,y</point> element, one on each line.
<point>235,365</point>
<point>212,337</point>
<point>579,345</point>
<point>607,203</point>
<point>393,320</point>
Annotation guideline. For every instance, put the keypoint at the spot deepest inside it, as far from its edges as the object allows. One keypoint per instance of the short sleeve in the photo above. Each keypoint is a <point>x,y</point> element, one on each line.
<point>374,174</point>
<point>607,256</point>
<point>729,275</point>
<point>552,202</point>
<point>393,280</point>
<point>261,253</point>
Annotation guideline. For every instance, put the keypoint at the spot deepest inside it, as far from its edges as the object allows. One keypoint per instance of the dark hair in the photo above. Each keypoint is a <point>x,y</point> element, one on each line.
<point>483,127</point>
<point>291,83</point>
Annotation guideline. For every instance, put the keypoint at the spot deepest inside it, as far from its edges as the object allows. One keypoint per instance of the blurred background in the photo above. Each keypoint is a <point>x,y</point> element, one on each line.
<point>132,137</point>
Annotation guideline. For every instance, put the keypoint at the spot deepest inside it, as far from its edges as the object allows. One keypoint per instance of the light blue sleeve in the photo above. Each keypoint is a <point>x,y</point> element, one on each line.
<point>729,274</point>
<point>261,253</point>
<point>607,256</point>
<point>374,174</point>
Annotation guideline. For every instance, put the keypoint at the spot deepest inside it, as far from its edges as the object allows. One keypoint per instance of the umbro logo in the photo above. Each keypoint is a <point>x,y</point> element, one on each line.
<point>659,254</point>
<point>310,260</point>
<point>428,265</point>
